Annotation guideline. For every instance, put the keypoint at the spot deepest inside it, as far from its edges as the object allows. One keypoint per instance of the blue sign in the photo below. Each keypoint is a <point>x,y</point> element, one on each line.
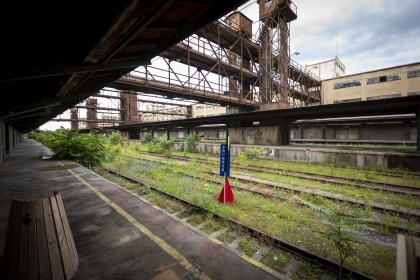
<point>224,156</point>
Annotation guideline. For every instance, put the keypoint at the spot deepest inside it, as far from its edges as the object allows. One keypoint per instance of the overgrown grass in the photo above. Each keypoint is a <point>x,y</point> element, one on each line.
<point>286,220</point>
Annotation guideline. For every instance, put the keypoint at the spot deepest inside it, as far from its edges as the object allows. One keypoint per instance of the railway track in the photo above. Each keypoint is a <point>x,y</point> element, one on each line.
<point>296,251</point>
<point>405,214</point>
<point>338,180</point>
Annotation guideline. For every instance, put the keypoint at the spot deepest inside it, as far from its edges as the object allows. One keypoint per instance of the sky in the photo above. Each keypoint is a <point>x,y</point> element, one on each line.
<point>370,34</point>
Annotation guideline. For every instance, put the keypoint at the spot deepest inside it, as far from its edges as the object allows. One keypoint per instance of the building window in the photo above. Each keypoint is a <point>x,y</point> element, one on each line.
<point>347,100</point>
<point>232,22</point>
<point>200,116</point>
<point>292,134</point>
<point>413,133</point>
<point>382,79</point>
<point>221,134</point>
<point>209,106</point>
<point>384,96</point>
<point>348,84</point>
<point>413,74</point>
<point>347,134</point>
<point>200,133</point>
<point>199,107</point>
<point>268,3</point>
<point>250,132</point>
<point>413,93</point>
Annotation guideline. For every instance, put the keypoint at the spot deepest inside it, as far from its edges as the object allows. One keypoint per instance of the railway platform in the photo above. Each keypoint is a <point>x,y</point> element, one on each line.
<point>118,235</point>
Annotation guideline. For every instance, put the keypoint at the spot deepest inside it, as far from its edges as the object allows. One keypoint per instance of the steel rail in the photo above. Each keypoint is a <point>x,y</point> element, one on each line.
<point>393,188</point>
<point>295,250</point>
<point>373,222</point>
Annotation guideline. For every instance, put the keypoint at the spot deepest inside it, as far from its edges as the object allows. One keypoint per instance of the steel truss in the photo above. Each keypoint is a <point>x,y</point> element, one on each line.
<point>218,64</point>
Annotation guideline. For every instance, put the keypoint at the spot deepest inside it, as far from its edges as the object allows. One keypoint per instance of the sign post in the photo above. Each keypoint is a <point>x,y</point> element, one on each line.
<point>226,196</point>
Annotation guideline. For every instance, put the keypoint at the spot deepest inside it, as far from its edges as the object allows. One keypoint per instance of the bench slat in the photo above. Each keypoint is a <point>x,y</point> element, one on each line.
<point>43,254</point>
<point>32,244</point>
<point>54,253</point>
<point>70,241</point>
<point>62,242</point>
<point>22,272</point>
<point>15,252</point>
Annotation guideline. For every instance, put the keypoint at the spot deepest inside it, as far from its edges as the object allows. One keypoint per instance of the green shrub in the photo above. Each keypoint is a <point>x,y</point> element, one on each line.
<point>134,147</point>
<point>148,137</point>
<point>89,150</point>
<point>115,138</point>
<point>164,146</point>
<point>253,153</point>
<point>40,136</point>
<point>190,144</point>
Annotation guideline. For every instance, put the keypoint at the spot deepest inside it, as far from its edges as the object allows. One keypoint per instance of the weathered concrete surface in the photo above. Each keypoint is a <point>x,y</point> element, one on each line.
<point>109,246</point>
<point>356,156</point>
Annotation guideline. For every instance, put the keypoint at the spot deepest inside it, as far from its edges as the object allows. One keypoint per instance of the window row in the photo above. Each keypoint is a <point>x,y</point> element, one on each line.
<point>384,96</point>
<point>348,84</point>
<point>381,79</point>
<point>376,97</point>
<point>413,74</point>
<point>347,100</point>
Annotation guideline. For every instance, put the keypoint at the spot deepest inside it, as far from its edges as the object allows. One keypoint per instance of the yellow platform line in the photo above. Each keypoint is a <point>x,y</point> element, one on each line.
<point>165,246</point>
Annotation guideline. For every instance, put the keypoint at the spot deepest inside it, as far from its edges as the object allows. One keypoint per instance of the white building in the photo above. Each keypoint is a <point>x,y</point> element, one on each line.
<point>328,69</point>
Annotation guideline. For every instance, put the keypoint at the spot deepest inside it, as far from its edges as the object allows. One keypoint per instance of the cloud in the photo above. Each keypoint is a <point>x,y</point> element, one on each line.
<point>371,34</point>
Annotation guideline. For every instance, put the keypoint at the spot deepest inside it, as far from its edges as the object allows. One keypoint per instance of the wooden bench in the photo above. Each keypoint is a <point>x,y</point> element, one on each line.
<point>39,243</point>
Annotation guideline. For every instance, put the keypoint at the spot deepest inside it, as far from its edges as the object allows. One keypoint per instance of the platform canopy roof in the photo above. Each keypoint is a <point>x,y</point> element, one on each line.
<point>284,117</point>
<point>57,53</point>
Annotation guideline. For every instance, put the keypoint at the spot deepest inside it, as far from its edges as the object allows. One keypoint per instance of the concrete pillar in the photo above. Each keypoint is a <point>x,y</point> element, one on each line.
<point>284,133</point>
<point>129,105</point>
<point>15,138</point>
<point>9,140</point>
<point>74,117</point>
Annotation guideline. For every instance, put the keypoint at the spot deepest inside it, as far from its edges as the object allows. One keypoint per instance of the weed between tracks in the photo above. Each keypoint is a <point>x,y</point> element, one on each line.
<point>286,220</point>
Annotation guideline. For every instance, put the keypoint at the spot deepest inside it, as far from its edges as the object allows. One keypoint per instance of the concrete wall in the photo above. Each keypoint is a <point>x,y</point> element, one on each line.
<point>258,135</point>
<point>377,133</point>
<point>365,90</point>
<point>353,157</point>
<point>325,155</point>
